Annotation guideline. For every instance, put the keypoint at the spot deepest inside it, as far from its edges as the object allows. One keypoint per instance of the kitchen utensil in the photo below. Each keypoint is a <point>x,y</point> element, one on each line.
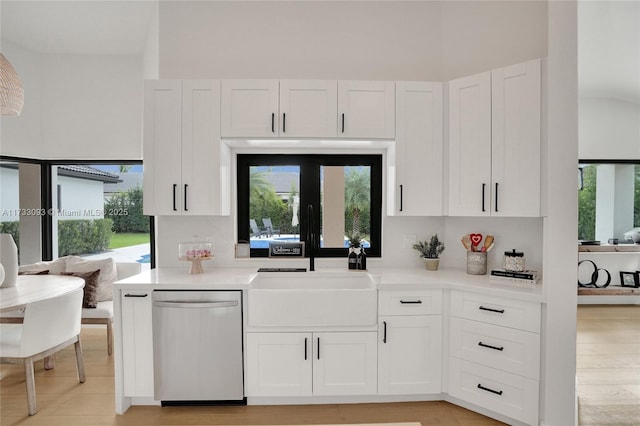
<point>488,242</point>
<point>476,239</point>
<point>466,242</point>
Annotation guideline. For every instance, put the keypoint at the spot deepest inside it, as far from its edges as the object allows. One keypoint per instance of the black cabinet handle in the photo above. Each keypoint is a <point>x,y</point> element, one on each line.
<point>384,335</point>
<point>273,122</point>
<point>174,197</point>
<point>482,308</point>
<point>496,196</point>
<point>318,348</point>
<point>401,197</point>
<point>305,348</point>
<point>483,186</point>
<point>135,295</point>
<point>343,122</point>
<point>185,197</point>
<point>489,390</point>
<point>284,122</point>
<point>484,345</point>
<point>411,302</point>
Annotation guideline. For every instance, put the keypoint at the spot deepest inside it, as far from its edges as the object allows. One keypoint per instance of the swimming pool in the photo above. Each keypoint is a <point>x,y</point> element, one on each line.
<point>264,243</point>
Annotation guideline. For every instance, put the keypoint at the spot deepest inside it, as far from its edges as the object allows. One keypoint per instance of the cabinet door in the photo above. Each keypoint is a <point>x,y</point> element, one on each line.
<point>470,145</point>
<point>410,354</point>
<point>344,363</point>
<point>162,147</point>
<point>516,140</point>
<point>419,150</point>
<point>249,108</point>
<point>278,364</point>
<point>201,188</point>
<point>137,343</point>
<point>366,109</point>
<point>308,108</point>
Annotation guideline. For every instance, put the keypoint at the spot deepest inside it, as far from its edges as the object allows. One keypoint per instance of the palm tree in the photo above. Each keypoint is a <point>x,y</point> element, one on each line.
<point>357,193</point>
<point>124,168</point>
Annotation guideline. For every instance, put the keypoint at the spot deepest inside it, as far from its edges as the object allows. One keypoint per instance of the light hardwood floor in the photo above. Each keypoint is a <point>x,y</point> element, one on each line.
<point>608,365</point>
<point>608,373</point>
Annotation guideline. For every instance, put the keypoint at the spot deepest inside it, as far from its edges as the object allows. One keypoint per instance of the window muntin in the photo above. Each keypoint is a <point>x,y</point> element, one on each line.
<point>340,188</point>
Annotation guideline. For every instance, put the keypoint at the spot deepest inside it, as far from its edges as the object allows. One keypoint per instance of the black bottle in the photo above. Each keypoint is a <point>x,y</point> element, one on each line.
<point>362,260</point>
<point>352,259</point>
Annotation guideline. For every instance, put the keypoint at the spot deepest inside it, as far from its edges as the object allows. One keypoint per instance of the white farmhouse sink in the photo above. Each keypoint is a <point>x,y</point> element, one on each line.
<point>312,299</point>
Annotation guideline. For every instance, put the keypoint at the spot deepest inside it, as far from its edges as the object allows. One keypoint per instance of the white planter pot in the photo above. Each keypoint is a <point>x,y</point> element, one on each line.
<point>432,264</point>
<point>9,260</point>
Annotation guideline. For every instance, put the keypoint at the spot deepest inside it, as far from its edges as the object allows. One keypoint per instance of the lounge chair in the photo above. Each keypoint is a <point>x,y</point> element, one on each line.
<point>255,230</point>
<point>269,227</point>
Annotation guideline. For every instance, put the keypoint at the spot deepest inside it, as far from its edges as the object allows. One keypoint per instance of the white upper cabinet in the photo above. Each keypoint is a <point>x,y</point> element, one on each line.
<point>366,109</point>
<point>184,162</point>
<point>418,186</point>
<point>308,108</point>
<point>494,143</point>
<point>286,108</point>
<point>249,108</point>
<point>470,145</point>
<point>516,141</point>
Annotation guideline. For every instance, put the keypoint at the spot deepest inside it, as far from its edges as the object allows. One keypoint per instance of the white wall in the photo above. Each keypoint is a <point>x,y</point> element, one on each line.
<point>332,40</point>
<point>482,35</point>
<point>76,107</point>
<point>609,129</point>
<point>80,199</point>
<point>21,136</point>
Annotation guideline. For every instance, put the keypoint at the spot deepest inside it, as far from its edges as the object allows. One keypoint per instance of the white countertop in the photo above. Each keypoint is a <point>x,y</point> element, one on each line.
<point>385,279</point>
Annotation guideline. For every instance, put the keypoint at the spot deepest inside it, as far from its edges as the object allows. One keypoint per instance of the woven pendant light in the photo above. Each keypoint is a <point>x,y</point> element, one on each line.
<point>11,93</point>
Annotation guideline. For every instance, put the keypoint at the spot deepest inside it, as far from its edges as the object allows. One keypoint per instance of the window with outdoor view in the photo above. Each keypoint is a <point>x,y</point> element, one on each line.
<point>285,197</point>
<point>608,200</point>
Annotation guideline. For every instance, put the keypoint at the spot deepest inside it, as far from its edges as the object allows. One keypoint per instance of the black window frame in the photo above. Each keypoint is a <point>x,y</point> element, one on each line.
<point>310,194</point>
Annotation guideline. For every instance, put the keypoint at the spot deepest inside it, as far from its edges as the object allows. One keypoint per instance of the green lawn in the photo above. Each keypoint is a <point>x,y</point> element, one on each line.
<point>128,239</point>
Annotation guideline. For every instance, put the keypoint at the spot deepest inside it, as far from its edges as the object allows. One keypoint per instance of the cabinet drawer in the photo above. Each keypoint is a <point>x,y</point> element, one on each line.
<point>410,302</point>
<point>502,311</point>
<point>514,351</point>
<point>508,394</point>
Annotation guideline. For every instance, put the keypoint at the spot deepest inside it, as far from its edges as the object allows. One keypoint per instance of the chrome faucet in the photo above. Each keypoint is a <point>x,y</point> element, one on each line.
<point>311,237</point>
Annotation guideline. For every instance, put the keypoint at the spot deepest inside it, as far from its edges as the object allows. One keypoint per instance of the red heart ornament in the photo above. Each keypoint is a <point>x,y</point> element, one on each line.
<point>475,239</point>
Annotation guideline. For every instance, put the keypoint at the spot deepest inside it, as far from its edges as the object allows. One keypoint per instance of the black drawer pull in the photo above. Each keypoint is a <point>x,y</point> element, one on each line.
<point>411,302</point>
<point>384,337</point>
<point>482,308</point>
<point>135,295</point>
<point>489,390</point>
<point>305,348</point>
<point>284,122</point>
<point>318,348</point>
<point>484,345</point>
<point>273,122</point>
<point>342,122</point>
<point>186,209</point>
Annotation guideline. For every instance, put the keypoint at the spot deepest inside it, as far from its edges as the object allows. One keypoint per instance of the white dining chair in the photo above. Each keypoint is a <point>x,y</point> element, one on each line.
<point>49,326</point>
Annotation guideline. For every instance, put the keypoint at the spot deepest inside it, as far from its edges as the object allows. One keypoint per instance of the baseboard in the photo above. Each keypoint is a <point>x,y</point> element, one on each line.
<point>609,300</point>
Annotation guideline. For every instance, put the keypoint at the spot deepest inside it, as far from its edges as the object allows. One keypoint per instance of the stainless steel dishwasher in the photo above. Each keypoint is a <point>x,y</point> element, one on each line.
<point>197,347</point>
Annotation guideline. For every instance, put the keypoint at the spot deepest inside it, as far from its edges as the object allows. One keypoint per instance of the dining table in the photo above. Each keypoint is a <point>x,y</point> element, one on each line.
<point>33,288</point>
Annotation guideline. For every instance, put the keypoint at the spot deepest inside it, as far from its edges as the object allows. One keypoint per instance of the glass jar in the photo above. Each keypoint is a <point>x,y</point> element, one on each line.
<point>513,261</point>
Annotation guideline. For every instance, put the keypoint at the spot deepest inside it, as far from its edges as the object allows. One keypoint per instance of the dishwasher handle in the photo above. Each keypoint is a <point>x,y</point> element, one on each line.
<point>196,304</point>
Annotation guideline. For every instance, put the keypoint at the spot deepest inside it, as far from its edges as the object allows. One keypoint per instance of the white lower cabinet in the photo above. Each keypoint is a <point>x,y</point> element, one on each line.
<point>496,390</point>
<point>137,343</point>
<point>494,348</point>
<point>409,342</point>
<point>410,354</point>
<point>304,364</point>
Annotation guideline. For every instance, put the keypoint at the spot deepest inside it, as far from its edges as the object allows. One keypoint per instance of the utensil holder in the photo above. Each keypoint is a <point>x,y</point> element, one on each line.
<point>476,263</point>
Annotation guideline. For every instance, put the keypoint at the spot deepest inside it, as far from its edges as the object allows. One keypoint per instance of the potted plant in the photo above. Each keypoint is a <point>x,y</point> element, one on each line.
<point>430,250</point>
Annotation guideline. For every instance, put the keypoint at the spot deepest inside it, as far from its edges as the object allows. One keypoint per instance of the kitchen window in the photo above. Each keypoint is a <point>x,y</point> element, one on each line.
<point>344,192</point>
<point>608,199</point>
